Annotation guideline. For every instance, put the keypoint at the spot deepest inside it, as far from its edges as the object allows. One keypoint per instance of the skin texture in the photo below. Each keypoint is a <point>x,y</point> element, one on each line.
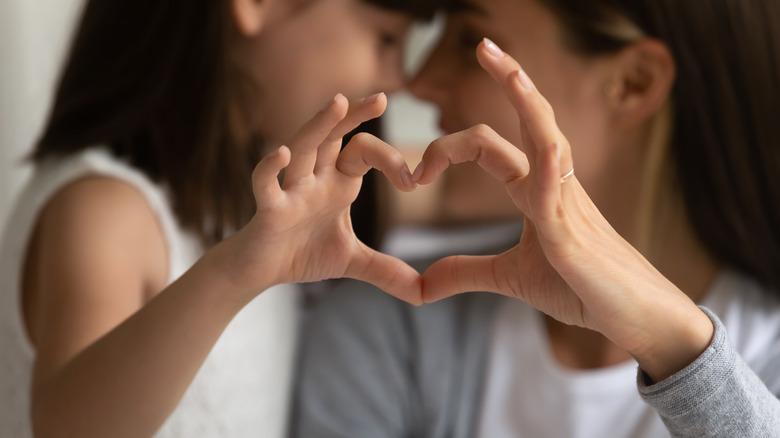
<point>578,260</point>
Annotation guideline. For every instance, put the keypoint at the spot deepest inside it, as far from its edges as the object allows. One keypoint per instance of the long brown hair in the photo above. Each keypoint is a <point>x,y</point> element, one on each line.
<point>149,80</point>
<point>725,135</point>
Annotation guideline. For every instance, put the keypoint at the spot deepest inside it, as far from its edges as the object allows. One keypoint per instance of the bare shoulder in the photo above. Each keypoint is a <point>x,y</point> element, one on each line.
<point>96,253</point>
<point>102,216</point>
<point>97,193</point>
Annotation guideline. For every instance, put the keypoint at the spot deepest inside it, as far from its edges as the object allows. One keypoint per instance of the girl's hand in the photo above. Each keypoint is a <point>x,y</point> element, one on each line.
<point>570,263</point>
<point>302,230</point>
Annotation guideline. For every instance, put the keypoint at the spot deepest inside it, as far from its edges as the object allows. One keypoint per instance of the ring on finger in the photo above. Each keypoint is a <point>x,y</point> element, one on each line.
<point>567,176</point>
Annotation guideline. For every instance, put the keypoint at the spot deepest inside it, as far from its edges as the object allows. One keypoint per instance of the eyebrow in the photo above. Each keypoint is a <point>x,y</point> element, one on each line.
<point>465,7</point>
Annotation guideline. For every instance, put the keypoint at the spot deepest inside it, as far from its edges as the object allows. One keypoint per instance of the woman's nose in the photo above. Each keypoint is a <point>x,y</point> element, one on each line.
<point>431,82</point>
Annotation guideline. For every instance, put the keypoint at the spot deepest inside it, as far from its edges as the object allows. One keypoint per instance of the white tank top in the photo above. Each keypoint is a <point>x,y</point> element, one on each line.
<point>243,387</point>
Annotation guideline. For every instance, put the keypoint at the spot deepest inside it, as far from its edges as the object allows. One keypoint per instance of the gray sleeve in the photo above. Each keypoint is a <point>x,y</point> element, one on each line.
<point>717,395</point>
<point>355,370</point>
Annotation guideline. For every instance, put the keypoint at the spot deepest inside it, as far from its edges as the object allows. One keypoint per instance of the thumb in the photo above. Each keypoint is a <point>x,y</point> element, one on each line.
<point>387,273</point>
<point>457,274</point>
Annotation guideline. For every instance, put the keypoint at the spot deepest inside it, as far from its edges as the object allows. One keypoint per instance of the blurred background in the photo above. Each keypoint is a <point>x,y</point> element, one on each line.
<point>33,39</point>
<point>34,36</point>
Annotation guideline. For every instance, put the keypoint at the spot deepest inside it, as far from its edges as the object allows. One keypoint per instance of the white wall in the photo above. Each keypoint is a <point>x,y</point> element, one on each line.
<point>34,35</point>
<point>408,121</point>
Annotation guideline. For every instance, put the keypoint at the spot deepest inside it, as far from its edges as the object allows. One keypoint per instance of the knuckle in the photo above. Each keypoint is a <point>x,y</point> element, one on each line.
<point>481,133</point>
<point>362,138</point>
<point>436,147</point>
<point>437,143</point>
<point>397,160</point>
<point>548,108</point>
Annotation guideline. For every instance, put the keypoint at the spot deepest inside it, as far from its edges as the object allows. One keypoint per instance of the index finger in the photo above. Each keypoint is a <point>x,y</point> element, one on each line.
<point>535,113</point>
<point>358,112</point>
<point>307,140</point>
<point>365,152</point>
<point>479,143</point>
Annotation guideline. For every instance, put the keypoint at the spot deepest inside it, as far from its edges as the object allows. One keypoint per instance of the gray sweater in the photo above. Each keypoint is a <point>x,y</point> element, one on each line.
<point>372,366</point>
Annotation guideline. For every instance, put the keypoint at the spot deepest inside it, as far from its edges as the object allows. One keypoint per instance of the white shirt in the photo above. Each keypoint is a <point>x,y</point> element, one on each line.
<point>529,394</point>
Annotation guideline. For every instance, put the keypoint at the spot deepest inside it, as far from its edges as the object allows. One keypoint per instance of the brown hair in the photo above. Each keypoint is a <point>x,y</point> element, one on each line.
<point>149,80</point>
<point>725,135</point>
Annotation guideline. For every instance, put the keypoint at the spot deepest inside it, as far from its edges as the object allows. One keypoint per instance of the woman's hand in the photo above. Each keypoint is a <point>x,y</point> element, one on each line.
<point>302,230</point>
<point>570,263</point>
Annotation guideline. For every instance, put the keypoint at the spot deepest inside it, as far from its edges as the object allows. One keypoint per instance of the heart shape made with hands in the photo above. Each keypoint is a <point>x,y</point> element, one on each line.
<point>458,273</point>
<point>535,193</point>
<point>566,245</point>
<point>530,171</point>
<point>455,274</point>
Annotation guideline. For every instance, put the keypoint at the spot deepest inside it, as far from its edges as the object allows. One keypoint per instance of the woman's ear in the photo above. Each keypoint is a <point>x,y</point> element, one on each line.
<point>250,15</point>
<point>642,81</point>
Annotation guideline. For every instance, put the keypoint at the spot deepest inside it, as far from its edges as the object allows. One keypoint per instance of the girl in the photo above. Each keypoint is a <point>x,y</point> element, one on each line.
<point>163,110</point>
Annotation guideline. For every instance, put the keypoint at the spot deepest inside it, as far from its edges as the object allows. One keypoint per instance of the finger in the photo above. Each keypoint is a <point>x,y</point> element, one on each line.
<point>536,114</point>
<point>265,181</point>
<point>308,139</point>
<point>365,151</point>
<point>458,274</point>
<point>369,108</point>
<point>387,273</point>
<point>479,143</point>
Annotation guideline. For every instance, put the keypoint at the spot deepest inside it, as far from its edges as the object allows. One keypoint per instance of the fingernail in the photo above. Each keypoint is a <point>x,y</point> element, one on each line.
<point>278,152</point>
<point>371,99</point>
<point>418,172</point>
<point>493,49</point>
<point>524,80</point>
<point>335,99</point>
<point>406,177</point>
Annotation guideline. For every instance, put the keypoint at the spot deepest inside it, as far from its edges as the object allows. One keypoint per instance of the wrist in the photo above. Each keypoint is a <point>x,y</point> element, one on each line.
<point>677,340</point>
<point>230,274</point>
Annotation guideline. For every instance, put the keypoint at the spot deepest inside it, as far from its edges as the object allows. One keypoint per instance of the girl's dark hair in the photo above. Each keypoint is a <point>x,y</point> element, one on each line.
<point>725,133</point>
<point>150,80</point>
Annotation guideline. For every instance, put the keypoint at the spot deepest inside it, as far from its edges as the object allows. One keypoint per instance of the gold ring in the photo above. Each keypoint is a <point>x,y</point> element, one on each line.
<point>568,176</point>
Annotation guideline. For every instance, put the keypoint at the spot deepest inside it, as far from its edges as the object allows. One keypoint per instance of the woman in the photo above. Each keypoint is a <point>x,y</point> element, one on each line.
<point>113,316</point>
<point>670,110</point>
